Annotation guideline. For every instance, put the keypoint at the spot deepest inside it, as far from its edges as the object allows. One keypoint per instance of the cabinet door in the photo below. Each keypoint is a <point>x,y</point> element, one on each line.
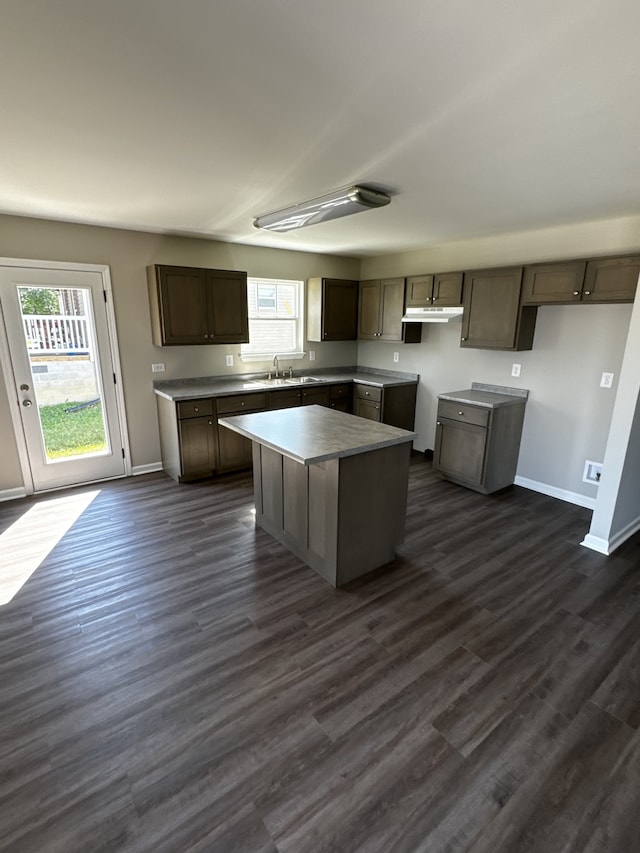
<point>447,289</point>
<point>284,399</point>
<point>315,397</point>
<point>460,450</point>
<point>227,307</point>
<point>197,447</point>
<point>182,305</point>
<point>369,409</point>
<point>234,449</point>
<point>492,316</point>
<point>557,282</point>
<point>420,291</point>
<point>369,311</point>
<point>391,309</point>
<point>611,279</point>
<point>339,310</point>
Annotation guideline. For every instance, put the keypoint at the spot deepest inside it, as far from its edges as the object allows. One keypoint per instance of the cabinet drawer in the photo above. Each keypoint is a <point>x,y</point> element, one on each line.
<point>195,408</point>
<point>337,392</point>
<point>240,402</point>
<point>367,392</point>
<point>463,412</point>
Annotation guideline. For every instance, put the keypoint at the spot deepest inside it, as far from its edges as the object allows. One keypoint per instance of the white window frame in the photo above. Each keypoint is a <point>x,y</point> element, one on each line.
<point>298,352</point>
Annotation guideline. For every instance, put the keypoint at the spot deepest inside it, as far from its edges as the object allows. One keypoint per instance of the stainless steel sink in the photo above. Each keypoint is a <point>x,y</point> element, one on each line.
<point>267,383</point>
<point>302,380</point>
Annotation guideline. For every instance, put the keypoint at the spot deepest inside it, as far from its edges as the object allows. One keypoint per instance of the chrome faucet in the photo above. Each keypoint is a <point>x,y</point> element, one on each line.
<point>275,364</point>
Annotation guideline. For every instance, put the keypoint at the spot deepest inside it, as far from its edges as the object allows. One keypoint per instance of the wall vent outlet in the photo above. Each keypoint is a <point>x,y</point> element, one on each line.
<point>592,472</point>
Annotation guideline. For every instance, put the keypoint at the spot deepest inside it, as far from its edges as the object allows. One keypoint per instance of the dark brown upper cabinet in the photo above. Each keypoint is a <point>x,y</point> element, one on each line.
<point>598,280</point>
<point>332,309</point>
<point>190,305</point>
<point>381,311</point>
<point>611,279</point>
<point>442,290</point>
<point>493,316</point>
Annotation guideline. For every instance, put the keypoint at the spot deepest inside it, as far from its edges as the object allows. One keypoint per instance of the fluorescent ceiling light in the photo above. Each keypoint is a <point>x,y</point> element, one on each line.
<point>339,203</point>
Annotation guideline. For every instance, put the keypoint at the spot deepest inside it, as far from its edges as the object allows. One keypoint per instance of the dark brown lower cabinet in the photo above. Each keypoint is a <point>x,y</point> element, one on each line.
<point>394,405</point>
<point>234,451</point>
<point>198,447</point>
<point>477,445</point>
<point>340,398</point>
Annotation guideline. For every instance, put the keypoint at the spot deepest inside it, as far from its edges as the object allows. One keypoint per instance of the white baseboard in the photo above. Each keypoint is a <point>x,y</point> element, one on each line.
<point>146,469</point>
<point>608,546</point>
<point>553,492</point>
<point>596,543</point>
<point>13,494</point>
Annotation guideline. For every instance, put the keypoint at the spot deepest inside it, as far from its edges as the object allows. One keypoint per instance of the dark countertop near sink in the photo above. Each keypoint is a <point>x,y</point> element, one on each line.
<point>220,386</point>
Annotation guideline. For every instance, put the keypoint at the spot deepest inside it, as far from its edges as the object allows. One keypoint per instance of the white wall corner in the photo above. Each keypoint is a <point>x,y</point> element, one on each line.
<point>608,546</point>
<point>596,543</point>
<point>553,492</point>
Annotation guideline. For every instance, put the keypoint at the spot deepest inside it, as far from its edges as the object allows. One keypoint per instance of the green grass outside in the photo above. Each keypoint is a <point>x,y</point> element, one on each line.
<point>72,433</point>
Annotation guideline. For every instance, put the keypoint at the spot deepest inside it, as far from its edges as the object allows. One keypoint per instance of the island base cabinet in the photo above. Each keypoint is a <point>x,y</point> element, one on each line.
<point>344,517</point>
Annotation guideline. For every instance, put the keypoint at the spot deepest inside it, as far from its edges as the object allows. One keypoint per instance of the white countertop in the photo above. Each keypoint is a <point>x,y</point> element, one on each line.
<point>312,434</point>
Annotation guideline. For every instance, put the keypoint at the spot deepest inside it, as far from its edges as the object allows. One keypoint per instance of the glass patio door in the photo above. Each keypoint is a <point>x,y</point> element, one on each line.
<point>61,360</point>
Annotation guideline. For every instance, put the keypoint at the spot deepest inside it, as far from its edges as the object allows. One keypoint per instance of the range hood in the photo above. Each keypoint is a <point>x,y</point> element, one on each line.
<point>431,315</point>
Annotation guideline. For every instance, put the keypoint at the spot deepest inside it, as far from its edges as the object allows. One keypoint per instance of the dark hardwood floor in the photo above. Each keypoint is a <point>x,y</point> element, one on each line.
<point>173,680</point>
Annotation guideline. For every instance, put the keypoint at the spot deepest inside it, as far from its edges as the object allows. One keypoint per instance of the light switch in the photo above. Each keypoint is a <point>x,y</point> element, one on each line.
<point>396,357</point>
<point>515,369</point>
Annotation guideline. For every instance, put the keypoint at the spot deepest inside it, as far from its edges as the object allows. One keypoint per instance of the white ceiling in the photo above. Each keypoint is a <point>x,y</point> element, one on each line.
<point>194,116</point>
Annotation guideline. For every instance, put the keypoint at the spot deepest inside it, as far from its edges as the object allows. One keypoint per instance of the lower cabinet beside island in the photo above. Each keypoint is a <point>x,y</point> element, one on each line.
<point>329,486</point>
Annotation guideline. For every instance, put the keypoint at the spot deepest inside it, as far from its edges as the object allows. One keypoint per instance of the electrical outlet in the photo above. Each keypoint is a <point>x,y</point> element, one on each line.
<point>607,380</point>
<point>312,355</point>
<point>515,369</point>
<point>228,360</point>
<point>396,357</point>
<point>158,368</point>
<point>592,472</point>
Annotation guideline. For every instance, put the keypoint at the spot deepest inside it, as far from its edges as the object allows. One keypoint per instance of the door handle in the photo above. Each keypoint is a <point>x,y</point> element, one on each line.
<point>27,403</point>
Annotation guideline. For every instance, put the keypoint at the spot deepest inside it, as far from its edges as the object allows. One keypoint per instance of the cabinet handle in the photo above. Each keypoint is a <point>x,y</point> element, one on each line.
<point>576,293</point>
<point>587,293</point>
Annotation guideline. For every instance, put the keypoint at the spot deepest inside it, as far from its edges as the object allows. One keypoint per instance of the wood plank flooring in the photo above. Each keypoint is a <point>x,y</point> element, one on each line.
<point>173,680</point>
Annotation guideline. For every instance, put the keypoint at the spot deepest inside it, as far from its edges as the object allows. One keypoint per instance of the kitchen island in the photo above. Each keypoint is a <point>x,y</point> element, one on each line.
<point>330,486</point>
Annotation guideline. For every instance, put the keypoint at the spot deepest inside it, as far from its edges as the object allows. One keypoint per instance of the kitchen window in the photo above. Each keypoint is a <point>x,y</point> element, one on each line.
<point>275,319</point>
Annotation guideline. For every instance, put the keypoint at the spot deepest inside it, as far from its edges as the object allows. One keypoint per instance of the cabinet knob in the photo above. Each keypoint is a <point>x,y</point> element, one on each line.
<point>196,409</point>
<point>242,403</point>
<point>461,413</point>
<point>576,293</point>
<point>377,408</point>
<point>206,336</point>
<point>438,423</point>
<point>587,293</point>
<point>210,423</point>
<point>463,339</point>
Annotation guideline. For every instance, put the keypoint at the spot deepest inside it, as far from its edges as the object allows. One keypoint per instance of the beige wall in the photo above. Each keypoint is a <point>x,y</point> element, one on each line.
<point>568,414</point>
<point>128,253</point>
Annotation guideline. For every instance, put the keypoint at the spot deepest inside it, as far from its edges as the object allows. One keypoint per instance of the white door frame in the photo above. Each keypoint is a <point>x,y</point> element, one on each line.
<point>7,370</point>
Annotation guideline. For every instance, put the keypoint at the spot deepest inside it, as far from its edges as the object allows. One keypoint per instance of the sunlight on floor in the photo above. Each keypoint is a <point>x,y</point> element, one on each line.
<point>25,544</point>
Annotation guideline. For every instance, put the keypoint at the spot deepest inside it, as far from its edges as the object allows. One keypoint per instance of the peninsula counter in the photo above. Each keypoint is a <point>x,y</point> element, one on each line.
<point>330,486</point>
